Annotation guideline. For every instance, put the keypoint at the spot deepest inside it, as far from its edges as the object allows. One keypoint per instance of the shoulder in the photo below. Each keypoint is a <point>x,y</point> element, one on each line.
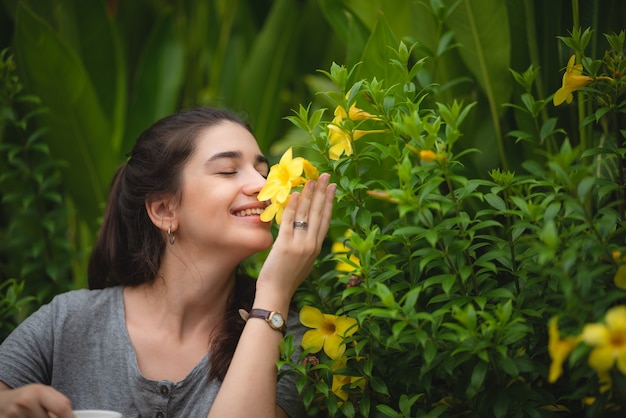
<point>82,302</point>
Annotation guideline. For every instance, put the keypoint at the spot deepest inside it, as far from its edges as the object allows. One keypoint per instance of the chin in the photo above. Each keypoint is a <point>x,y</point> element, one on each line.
<point>260,242</point>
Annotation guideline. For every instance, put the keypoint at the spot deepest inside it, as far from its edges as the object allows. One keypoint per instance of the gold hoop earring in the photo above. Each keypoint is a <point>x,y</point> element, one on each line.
<point>171,235</point>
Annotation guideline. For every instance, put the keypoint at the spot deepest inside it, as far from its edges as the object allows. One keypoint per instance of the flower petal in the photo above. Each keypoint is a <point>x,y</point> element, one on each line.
<point>601,358</point>
<point>334,346</point>
<point>560,96</point>
<point>621,361</point>
<point>283,193</point>
<point>338,383</point>
<point>345,326</point>
<point>616,319</point>
<point>335,152</point>
<point>314,340</point>
<point>596,334</point>
<point>310,170</point>
<point>269,212</point>
<point>295,168</point>
<point>279,214</point>
<point>268,191</point>
<point>340,113</point>
<point>286,158</point>
<point>570,63</point>
<point>620,277</point>
<point>311,317</point>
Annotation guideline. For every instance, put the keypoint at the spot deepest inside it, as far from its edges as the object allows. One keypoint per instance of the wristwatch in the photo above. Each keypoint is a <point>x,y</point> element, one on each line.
<point>274,318</point>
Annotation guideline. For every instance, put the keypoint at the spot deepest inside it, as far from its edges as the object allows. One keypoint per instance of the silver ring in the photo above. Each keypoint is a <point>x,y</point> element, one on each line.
<point>300,225</point>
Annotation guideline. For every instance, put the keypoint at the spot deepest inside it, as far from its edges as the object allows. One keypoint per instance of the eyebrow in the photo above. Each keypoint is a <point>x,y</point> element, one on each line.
<point>237,156</point>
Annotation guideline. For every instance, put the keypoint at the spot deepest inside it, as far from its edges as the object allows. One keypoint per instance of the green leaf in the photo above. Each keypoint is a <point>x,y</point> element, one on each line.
<point>79,131</point>
<point>378,54</point>
<point>478,377</point>
<point>482,30</point>
<point>158,79</point>
<point>385,295</point>
<point>270,62</point>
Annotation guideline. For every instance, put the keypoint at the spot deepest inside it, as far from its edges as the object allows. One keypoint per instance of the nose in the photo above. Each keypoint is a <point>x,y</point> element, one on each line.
<point>254,183</point>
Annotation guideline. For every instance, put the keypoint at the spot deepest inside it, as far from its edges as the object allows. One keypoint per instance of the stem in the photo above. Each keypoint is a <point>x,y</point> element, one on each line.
<point>619,142</point>
<point>511,244</point>
<point>580,102</point>
<point>533,52</point>
<point>468,258</point>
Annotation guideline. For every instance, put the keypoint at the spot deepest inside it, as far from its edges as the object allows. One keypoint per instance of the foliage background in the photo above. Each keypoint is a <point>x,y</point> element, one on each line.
<point>81,79</point>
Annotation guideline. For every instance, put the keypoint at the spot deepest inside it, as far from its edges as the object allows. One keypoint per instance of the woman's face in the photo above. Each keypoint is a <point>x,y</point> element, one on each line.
<point>219,209</point>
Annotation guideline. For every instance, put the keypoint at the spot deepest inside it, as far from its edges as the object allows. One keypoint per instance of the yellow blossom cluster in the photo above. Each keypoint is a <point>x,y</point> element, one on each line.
<point>428,156</point>
<point>328,333</point>
<point>620,274</point>
<point>340,249</point>
<point>340,139</point>
<point>572,81</point>
<point>283,177</point>
<point>608,342</point>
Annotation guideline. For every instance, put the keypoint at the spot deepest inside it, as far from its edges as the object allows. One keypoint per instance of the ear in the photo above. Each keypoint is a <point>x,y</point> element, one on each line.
<point>162,213</point>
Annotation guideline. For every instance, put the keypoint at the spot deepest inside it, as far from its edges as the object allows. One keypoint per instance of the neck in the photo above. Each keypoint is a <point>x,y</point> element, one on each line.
<point>184,298</point>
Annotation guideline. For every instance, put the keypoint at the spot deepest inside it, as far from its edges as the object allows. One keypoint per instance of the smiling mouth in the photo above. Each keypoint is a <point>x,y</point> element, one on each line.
<point>249,212</point>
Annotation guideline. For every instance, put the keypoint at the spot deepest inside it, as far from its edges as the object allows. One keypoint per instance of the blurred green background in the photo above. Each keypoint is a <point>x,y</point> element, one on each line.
<point>80,79</point>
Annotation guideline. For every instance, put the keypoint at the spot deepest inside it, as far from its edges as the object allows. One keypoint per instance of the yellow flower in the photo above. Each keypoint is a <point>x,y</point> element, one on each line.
<point>558,349</point>
<point>341,140</point>
<point>354,114</point>
<point>428,156</point>
<point>572,81</point>
<point>620,274</point>
<point>609,340</point>
<point>282,178</point>
<point>329,331</point>
<point>340,248</point>
<point>310,171</point>
<point>342,383</point>
<point>274,209</point>
<point>382,195</point>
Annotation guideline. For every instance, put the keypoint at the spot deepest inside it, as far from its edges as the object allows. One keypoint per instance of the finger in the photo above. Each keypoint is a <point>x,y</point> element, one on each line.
<point>317,203</point>
<point>289,214</point>
<point>327,211</point>
<point>304,205</point>
<point>56,403</point>
<point>35,401</point>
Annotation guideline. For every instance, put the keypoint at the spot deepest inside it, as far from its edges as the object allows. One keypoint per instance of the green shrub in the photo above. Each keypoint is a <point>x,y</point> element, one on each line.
<point>35,252</point>
<point>454,279</point>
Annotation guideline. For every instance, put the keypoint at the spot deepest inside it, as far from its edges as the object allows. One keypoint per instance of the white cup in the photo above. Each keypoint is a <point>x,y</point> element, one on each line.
<point>97,413</point>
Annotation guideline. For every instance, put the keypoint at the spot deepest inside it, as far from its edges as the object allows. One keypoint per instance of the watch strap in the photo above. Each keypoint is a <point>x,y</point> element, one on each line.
<point>265,315</point>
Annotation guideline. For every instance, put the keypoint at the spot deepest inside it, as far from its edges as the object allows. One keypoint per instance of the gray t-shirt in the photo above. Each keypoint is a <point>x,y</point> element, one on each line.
<point>79,345</point>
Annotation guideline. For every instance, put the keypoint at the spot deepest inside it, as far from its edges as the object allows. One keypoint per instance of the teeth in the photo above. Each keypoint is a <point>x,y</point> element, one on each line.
<point>248,212</point>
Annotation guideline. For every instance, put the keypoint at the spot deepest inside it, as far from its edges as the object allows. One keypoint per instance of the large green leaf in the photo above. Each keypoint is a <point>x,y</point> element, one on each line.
<point>269,65</point>
<point>157,79</point>
<point>378,53</point>
<point>79,131</point>
<point>100,51</point>
<point>482,30</point>
<point>353,25</point>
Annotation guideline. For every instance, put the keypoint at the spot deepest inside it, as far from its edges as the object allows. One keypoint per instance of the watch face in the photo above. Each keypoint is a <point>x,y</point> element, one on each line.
<point>277,320</point>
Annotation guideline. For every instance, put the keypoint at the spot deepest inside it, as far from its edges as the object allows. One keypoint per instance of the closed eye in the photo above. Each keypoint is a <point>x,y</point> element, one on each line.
<point>227,173</point>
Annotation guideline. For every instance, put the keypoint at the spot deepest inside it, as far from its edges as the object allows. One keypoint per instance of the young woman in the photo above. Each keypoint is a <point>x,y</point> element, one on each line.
<point>159,334</point>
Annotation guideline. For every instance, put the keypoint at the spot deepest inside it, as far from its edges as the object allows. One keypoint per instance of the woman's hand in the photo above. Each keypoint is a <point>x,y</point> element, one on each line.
<point>33,401</point>
<point>304,225</point>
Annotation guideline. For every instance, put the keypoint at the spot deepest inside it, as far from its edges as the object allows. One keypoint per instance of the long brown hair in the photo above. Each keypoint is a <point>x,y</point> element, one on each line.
<point>129,248</point>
